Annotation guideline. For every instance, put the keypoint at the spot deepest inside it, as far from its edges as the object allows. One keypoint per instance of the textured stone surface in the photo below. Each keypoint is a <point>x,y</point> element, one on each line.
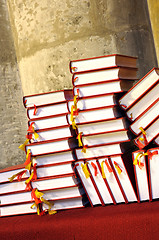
<point>48,34</point>
<point>153,6</point>
<point>12,114</point>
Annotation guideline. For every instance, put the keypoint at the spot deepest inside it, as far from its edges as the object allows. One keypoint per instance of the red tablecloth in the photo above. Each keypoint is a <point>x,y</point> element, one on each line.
<point>124,221</point>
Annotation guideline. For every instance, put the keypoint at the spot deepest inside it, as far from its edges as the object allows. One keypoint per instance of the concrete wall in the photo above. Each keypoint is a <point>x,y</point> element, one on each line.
<point>50,33</point>
<point>12,114</point>
<point>153,6</point>
<point>47,34</point>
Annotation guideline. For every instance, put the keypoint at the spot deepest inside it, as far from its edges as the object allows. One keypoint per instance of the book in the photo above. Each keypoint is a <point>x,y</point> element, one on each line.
<point>6,173</point>
<point>115,86</point>
<point>104,75</point>
<point>102,150</point>
<point>82,65</point>
<point>109,178</point>
<point>48,147</point>
<point>54,170</point>
<point>25,208</point>
<point>153,168</point>
<point>146,118</point>
<point>140,89</point>
<point>98,114</point>
<point>62,181</point>
<point>90,102</point>
<point>100,126</point>
<point>151,132</point>
<point>41,184</point>
<point>140,106</point>
<point>47,98</point>
<point>141,175</point>
<point>50,134</point>
<point>103,188</point>
<point>88,184</point>
<point>105,138</point>
<point>54,158</point>
<point>47,110</point>
<point>49,122</point>
<point>57,194</point>
<point>124,175</point>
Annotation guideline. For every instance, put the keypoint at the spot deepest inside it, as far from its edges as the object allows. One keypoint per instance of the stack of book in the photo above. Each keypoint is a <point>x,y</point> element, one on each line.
<point>46,182</point>
<point>141,104</point>
<point>80,142</point>
<point>101,128</point>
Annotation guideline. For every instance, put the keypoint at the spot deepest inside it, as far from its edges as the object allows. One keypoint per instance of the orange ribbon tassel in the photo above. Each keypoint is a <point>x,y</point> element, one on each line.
<point>18,175</point>
<point>95,168</point>
<point>108,166</point>
<point>118,167</point>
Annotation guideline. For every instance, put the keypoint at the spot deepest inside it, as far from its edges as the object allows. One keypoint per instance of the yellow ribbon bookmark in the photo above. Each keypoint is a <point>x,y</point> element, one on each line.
<point>85,170</point>
<point>102,168</point>
<point>79,137</point>
<point>119,170</point>
<point>22,147</point>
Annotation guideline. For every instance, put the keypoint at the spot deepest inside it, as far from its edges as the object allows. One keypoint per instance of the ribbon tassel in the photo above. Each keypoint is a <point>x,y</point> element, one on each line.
<point>19,176</point>
<point>118,168</point>
<point>22,147</point>
<point>102,168</point>
<point>85,170</point>
<point>95,168</point>
<point>79,137</point>
<point>108,167</point>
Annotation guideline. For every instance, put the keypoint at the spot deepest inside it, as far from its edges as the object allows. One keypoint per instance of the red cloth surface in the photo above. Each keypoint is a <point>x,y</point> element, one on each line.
<point>120,222</point>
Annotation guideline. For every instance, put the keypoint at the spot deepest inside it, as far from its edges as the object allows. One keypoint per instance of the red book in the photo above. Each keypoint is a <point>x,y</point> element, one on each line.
<point>101,62</point>
<point>47,98</point>
<point>141,175</point>
<point>153,169</point>
<point>140,89</point>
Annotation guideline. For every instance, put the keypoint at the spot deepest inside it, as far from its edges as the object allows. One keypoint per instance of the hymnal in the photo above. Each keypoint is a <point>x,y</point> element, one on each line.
<point>54,170</point>
<point>151,132</point>
<point>105,138</point>
<point>141,176</point>
<point>47,98</point>
<point>153,167</point>
<point>51,134</point>
<point>25,208</point>
<point>140,106</point>
<point>102,150</point>
<point>104,75</point>
<point>101,62</point>
<point>88,184</point>
<point>90,102</point>
<point>47,110</point>
<point>124,176</point>
<point>61,193</point>
<point>115,86</point>
<point>62,181</point>
<point>6,173</point>
<point>140,88</point>
<point>146,118</point>
<point>109,177</point>
<point>97,114</point>
<point>101,126</point>
<point>47,147</point>
<point>49,122</point>
<point>54,158</point>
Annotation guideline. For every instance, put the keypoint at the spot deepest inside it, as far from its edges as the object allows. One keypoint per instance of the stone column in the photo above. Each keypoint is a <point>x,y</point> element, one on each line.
<point>12,114</point>
<point>50,33</point>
